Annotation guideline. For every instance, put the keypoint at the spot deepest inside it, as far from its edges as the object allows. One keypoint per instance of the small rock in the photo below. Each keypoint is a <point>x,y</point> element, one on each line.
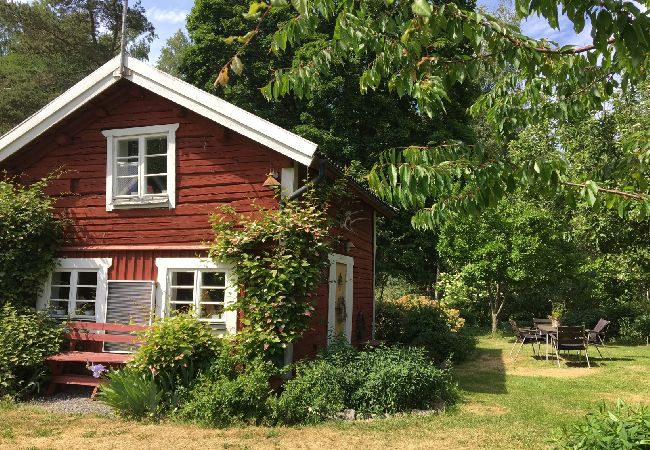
<point>347,414</point>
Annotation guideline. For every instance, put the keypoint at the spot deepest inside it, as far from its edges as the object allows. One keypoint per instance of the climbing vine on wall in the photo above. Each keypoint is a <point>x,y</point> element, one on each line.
<point>279,257</point>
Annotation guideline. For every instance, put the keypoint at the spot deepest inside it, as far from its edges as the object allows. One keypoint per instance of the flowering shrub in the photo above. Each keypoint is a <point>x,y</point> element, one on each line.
<point>418,320</point>
<point>175,350</point>
<point>279,257</point>
<point>419,302</point>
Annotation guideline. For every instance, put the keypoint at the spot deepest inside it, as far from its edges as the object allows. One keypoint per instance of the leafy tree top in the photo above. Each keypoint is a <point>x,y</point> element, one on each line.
<point>405,46</point>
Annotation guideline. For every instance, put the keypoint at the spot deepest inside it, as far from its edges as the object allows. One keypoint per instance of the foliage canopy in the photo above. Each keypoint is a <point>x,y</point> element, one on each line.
<point>403,45</point>
<point>48,45</point>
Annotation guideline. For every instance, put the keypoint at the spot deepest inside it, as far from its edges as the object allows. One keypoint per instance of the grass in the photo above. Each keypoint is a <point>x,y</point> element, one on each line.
<point>506,404</point>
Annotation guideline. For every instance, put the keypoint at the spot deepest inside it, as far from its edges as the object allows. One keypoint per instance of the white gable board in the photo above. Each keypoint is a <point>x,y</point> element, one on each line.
<point>169,87</point>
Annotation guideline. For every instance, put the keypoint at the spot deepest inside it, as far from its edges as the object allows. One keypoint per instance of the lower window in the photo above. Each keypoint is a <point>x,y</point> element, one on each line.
<point>73,293</point>
<point>77,289</point>
<point>202,291</point>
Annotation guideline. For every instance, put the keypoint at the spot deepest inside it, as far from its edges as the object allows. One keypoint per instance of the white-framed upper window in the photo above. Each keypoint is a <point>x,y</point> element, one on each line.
<point>196,285</point>
<point>76,289</point>
<point>141,167</point>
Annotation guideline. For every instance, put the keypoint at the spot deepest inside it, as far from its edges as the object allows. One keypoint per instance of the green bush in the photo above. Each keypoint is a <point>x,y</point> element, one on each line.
<point>635,330</point>
<point>176,348</point>
<point>29,237</point>
<point>316,394</point>
<point>383,381</point>
<point>231,391</point>
<point>394,380</point>
<point>420,321</point>
<point>27,338</point>
<point>622,427</point>
<point>132,394</point>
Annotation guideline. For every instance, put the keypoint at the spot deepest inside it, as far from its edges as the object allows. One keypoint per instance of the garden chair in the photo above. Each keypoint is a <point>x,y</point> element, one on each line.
<point>525,336</point>
<point>537,321</point>
<point>598,334</point>
<point>571,338</point>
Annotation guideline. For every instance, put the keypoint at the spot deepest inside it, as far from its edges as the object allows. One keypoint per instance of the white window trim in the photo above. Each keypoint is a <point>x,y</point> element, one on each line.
<point>100,264</point>
<point>112,137</point>
<point>349,301</point>
<point>165,265</point>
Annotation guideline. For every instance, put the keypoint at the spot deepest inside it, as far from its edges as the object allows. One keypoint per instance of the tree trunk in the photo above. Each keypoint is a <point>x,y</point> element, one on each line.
<point>495,323</point>
<point>436,292</point>
<point>496,305</point>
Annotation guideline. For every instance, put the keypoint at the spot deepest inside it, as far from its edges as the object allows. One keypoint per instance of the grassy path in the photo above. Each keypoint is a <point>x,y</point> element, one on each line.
<point>505,405</point>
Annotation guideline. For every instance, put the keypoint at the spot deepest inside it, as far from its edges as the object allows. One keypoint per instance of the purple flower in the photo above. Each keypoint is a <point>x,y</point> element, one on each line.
<point>97,369</point>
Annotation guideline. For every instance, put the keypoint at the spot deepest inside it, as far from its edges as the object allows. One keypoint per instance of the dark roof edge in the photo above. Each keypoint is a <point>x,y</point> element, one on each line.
<point>334,171</point>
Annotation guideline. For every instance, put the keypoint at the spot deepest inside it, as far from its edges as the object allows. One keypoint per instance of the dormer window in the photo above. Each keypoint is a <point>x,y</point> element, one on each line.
<point>141,166</point>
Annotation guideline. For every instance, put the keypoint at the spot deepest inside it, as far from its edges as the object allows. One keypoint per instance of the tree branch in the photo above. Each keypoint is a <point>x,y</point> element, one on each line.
<point>628,195</point>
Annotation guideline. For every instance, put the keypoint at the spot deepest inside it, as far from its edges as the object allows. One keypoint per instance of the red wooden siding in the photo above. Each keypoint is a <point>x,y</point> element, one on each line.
<point>133,265</point>
<point>362,235</point>
<point>214,166</point>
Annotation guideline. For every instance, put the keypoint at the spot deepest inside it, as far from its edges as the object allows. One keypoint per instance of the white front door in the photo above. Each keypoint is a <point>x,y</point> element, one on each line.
<point>339,322</point>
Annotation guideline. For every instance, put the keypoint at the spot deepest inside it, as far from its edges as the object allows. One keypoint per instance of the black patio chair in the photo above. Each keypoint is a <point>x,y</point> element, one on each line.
<point>571,339</point>
<point>598,335</point>
<point>525,336</point>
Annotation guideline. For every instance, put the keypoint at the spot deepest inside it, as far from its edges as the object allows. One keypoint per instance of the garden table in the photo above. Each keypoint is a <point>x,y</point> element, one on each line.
<point>547,330</point>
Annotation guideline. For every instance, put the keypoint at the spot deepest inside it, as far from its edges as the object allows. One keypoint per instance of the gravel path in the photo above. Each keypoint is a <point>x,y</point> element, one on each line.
<point>74,399</point>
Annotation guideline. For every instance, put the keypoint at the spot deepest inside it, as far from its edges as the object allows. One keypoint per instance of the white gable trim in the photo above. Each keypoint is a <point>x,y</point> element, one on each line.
<point>169,87</point>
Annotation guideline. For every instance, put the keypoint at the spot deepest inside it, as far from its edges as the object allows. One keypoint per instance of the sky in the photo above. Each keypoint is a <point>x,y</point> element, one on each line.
<point>169,16</point>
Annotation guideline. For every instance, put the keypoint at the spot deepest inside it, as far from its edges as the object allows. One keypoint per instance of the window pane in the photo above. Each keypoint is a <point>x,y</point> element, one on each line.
<point>212,295</point>
<point>87,278</point>
<point>127,167</point>
<point>180,308</point>
<point>127,186</point>
<point>60,292</point>
<point>127,148</point>
<point>58,308</point>
<point>213,279</point>
<point>157,146</point>
<point>156,164</point>
<point>85,309</point>
<point>211,311</point>
<point>157,184</point>
<point>182,294</point>
<point>183,278</point>
<point>61,278</point>
<point>86,293</point>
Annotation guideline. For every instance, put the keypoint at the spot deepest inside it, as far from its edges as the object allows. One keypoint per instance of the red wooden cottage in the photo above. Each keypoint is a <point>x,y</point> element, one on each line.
<point>146,159</point>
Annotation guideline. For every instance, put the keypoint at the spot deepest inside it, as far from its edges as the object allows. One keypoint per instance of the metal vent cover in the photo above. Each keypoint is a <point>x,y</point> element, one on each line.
<point>129,302</point>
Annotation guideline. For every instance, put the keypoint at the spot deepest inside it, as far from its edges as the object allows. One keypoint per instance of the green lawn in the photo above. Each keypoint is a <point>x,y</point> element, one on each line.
<point>505,405</point>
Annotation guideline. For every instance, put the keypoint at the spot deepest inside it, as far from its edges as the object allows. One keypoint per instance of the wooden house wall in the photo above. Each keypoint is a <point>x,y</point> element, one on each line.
<point>214,167</point>
<point>361,234</point>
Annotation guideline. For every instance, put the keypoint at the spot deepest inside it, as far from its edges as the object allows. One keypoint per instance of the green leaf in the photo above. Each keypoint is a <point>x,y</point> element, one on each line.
<point>302,6</point>
<point>421,8</point>
<point>236,65</point>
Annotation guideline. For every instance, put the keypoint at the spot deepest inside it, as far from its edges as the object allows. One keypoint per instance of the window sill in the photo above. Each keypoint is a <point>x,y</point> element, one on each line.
<point>134,204</point>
